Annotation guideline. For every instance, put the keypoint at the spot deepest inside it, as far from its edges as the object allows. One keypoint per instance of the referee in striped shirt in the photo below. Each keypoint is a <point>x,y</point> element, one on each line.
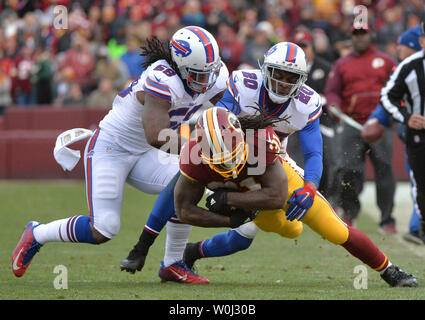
<point>407,83</point>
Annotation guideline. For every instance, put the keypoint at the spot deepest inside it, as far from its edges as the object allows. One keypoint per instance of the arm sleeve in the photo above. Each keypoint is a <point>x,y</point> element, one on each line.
<point>312,148</point>
<point>230,103</point>
<point>380,114</point>
<point>392,95</point>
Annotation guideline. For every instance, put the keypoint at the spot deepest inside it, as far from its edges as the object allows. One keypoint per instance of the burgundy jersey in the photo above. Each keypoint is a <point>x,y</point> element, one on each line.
<point>263,147</point>
<point>356,80</point>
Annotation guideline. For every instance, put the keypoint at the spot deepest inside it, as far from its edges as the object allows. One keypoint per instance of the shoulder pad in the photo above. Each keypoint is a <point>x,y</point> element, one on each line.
<point>162,79</point>
<point>308,101</point>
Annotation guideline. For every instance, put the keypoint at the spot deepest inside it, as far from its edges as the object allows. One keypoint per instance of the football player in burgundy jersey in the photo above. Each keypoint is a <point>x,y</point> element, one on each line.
<point>219,160</point>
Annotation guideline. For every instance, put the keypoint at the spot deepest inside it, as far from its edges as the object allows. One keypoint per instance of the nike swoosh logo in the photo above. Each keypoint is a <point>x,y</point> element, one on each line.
<point>184,278</point>
<point>15,266</point>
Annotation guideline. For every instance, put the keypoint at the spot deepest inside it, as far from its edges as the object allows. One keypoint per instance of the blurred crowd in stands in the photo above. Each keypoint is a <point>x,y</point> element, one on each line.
<point>98,53</point>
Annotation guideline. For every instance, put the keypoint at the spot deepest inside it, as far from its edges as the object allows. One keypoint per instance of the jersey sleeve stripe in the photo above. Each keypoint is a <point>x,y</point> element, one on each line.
<point>314,115</point>
<point>157,94</point>
<point>156,85</point>
<point>233,90</point>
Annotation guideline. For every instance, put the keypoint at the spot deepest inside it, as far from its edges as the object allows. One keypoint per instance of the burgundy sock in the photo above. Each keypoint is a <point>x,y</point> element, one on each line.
<point>361,247</point>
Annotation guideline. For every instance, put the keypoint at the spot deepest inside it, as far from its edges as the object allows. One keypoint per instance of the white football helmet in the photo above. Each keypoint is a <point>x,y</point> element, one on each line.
<point>287,57</point>
<point>196,53</point>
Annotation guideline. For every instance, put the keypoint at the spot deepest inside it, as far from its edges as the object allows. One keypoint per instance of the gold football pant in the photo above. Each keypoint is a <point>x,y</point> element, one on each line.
<point>323,220</point>
<point>320,217</point>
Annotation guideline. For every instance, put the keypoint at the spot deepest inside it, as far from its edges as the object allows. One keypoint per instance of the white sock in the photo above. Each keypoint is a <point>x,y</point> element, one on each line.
<point>177,236</point>
<point>389,265</point>
<point>56,231</point>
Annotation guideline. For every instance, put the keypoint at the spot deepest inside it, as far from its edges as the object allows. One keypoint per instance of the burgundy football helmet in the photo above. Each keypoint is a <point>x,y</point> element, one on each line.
<point>222,141</point>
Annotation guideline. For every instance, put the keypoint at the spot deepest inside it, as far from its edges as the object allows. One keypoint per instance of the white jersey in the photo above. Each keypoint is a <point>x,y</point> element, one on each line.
<point>247,87</point>
<point>124,120</point>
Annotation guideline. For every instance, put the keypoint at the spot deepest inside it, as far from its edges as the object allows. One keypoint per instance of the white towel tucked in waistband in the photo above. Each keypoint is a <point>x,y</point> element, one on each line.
<point>67,157</point>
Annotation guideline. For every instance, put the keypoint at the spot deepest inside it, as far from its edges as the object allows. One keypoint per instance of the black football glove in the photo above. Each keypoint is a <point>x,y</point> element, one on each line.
<point>240,216</point>
<point>216,202</point>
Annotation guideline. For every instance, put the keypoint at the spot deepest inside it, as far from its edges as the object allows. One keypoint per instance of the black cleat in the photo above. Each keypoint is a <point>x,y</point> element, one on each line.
<point>396,277</point>
<point>191,254</point>
<point>134,261</point>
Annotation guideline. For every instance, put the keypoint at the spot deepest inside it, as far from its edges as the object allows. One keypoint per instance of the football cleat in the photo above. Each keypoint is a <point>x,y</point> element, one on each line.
<point>134,261</point>
<point>179,272</point>
<point>25,250</point>
<point>396,277</point>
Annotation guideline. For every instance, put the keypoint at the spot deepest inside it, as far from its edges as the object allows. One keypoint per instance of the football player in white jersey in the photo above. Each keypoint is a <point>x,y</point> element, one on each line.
<point>180,76</point>
<point>278,89</point>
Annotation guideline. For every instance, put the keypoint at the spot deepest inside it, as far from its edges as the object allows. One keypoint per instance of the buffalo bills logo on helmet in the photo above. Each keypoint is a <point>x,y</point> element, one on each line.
<point>271,50</point>
<point>181,47</point>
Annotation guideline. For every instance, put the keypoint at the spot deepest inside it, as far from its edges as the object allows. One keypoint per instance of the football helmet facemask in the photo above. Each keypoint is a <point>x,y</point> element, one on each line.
<point>222,141</point>
<point>284,71</point>
<point>196,53</point>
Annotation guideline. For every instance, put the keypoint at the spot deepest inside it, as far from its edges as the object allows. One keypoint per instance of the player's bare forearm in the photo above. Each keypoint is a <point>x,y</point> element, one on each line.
<point>187,195</point>
<point>156,122</point>
<point>272,195</point>
<point>257,200</point>
<point>197,216</point>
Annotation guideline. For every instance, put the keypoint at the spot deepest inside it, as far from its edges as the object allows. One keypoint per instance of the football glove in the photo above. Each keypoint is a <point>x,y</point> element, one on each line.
<point>216,202</point>
<point>240,216</point>
<point>300,201</point>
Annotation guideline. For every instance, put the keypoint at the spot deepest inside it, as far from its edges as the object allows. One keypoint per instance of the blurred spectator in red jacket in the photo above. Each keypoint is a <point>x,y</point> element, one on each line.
<point>354,86</point>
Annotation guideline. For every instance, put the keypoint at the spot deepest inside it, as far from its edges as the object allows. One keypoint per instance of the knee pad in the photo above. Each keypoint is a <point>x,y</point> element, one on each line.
<point>290,230</point>
<point>248,230</point>
<point>107,223</point>
<point>275,221</point>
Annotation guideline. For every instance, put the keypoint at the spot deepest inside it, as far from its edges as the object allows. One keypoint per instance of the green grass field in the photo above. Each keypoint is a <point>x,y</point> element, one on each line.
<point>273,268</point>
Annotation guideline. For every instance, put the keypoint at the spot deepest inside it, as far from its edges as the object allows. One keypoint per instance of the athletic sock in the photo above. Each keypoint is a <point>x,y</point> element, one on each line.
<point>361,247</point>
<point>146,240</point>
<point>225,243</point>
<point>73,229</point>
<point>177,236</point>
<point>163,209</point>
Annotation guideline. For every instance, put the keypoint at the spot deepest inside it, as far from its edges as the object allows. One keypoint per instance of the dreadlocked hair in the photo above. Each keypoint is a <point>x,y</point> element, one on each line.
<point>259,120</point>
<point>155,50</point>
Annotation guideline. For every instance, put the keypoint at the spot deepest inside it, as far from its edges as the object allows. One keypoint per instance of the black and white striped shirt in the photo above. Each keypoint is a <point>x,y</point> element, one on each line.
<point>406,83</point>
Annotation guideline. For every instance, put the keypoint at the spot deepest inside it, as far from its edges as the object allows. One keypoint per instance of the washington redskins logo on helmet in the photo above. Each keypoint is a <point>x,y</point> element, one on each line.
<point>222,141</point>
